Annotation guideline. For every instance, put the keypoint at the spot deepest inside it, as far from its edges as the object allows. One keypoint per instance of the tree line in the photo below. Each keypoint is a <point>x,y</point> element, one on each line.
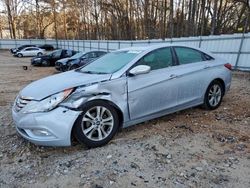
<point>123,19</point>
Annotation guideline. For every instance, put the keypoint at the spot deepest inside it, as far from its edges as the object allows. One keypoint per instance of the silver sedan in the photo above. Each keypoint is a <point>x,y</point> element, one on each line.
<point>120,89</point>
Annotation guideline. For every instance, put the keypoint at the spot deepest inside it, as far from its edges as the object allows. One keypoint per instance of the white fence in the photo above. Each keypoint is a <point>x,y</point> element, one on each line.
<point>234,48</point>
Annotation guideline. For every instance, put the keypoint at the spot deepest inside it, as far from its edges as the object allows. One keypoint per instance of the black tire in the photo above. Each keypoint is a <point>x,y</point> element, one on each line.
<point>19,55</point>
<point>209,103</point>
<point>39,54</point>
<point>63,68</point>
<point>72,67</point>
<point>45,63</point>
<point>81,125</point>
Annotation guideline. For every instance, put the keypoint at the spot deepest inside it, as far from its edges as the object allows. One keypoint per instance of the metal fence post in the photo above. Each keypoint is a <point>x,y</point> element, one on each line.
<point>239,51</point>
<point>107,46</point>
<point>119,44</point>
<point>200,41</point>
<point>83,45</point>
<point>78,45</point>
<point>98,45</point>
<point>90,45</point>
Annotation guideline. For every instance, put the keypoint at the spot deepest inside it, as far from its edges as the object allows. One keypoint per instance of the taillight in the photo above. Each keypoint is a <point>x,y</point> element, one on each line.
<point>228,66</point>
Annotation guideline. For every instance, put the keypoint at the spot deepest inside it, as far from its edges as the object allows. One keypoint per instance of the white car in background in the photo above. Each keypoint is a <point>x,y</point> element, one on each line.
<point>30,51</point>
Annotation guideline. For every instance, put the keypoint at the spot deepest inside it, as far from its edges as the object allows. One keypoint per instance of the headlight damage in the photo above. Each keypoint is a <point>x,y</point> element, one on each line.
<point>48,103</point>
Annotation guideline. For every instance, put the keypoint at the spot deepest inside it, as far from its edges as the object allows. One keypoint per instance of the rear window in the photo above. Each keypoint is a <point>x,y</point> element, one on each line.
<point>188,55</point>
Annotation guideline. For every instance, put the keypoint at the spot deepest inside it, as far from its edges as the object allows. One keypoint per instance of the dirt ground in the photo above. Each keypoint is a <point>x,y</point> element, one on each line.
<point>191,148</point>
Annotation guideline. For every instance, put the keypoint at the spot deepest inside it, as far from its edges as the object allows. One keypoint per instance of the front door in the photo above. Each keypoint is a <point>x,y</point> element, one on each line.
<point>154,91</point>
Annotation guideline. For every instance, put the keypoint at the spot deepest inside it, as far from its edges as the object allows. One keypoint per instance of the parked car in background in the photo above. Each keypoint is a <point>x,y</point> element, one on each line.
<point>86,58</point>
<point>14,50</point>
<point>50,58</point>
<point>47,47</point>
<point>30,52</point>
<point>74,63</point>
<point>120,89</point>
<point>62,64</point>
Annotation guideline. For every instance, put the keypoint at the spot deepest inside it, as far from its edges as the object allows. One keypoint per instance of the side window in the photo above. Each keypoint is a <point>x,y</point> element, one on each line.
<point>100,54</point>
<point>90,55</point>
<point>93,55</point>
<point>157,59</point>
<point>56,54</point>
<point>68,53</point>
<point>188,55</point>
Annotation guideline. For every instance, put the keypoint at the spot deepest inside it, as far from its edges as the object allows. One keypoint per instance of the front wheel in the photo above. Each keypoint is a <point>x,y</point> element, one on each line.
<point>213,96</point>
<point>39,54</point>
<point>20,55</point>
<point>97,124</point>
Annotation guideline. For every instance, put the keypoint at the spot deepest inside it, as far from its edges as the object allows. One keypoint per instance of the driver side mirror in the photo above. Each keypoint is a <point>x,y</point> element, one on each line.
<point>140,69</point>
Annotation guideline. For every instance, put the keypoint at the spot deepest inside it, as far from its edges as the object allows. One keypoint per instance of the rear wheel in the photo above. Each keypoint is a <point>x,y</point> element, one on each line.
<point>19,55</point>
<point>213,96</point>
<point>39,54</point>
<point>97,125</point>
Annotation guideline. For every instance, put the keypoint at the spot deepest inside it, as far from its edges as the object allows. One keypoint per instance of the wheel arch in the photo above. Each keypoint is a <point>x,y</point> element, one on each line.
<point>118,110</point>
<point>221,81</point>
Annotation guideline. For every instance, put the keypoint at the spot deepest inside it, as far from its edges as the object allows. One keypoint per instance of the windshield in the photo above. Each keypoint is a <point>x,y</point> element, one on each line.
<point>77,55</point>
<point>110,62</point>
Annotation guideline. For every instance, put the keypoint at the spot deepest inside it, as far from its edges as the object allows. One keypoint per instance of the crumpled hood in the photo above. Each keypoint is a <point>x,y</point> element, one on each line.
<point>47,86</point>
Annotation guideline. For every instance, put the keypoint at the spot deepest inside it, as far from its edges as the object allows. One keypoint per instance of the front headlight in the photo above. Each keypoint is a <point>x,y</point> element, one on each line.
<point>48,103</point>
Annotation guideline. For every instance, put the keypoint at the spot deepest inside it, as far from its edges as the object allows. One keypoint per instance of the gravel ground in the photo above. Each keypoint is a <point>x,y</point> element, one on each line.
<point>191,148</point>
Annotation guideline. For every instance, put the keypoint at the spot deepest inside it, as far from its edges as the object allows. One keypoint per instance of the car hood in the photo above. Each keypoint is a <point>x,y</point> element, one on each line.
<point>64,60</point>
<point>45,87</point>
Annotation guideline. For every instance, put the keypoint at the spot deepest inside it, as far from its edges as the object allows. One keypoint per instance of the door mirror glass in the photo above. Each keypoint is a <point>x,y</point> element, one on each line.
<point>140,69</point>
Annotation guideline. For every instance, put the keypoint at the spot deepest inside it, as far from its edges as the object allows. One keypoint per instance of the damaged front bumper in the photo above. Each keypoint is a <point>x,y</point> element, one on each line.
<point>51,128</point>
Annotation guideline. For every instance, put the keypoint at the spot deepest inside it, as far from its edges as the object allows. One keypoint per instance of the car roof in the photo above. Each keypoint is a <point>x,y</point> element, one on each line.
<point>151,47</point>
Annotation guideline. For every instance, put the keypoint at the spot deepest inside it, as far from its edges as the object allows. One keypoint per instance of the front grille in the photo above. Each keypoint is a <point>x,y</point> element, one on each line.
<point>21,102</point>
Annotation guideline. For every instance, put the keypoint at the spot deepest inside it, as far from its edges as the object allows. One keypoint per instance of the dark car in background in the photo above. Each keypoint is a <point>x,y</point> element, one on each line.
<point>86,58</point>
<point>47,47</point>
<point>77,60</point>
<point>50,58</point>
<point>15,50</point>
<point>62,64</point>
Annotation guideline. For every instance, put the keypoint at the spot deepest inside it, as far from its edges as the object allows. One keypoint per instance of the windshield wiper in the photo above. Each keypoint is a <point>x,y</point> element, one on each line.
<point>92,72</point>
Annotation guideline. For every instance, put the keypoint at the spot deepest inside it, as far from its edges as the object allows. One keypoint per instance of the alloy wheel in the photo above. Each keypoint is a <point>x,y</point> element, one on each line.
<point>97,123</point>
<point>214,95</point>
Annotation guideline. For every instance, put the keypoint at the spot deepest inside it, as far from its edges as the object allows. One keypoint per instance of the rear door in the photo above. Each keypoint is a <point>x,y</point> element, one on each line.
<point>155,91</point>
<point>33,51</point>
<point>191,75</point>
